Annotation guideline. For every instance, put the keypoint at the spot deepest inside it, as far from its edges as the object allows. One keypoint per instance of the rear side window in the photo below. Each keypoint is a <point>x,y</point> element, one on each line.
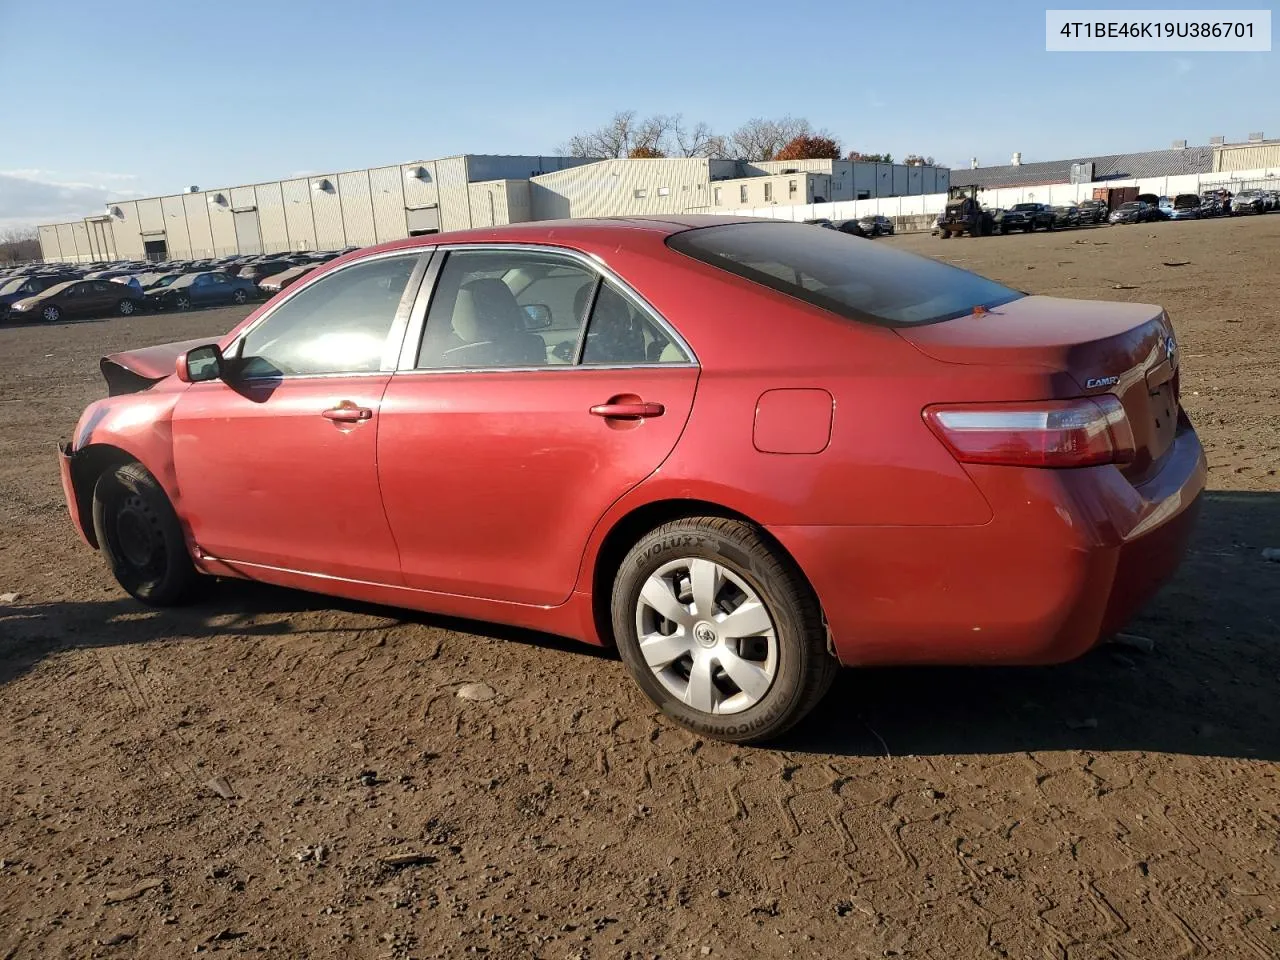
<point>849,276</point>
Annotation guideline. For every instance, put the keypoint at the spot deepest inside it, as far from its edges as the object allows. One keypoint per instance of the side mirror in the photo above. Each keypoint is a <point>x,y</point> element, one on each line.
<point>200,364</point>
<point>537,316</point>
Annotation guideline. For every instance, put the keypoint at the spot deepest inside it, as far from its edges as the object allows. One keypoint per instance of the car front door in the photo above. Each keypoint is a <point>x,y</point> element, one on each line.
<point>77,299</point>
<point>277,463</point>
<point>500,448</point>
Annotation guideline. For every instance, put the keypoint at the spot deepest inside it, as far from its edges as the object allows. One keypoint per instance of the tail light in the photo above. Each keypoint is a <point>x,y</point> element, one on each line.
<point>1083,432</point>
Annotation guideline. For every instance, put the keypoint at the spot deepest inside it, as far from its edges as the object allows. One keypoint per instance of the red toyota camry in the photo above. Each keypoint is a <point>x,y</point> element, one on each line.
<point>745,452</point>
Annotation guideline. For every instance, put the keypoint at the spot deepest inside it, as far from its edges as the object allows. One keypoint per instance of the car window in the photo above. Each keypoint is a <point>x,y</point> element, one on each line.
<point>337,325</point>
<point>217,278</point>
<point>620,332</point>
<point>493,309</point>
<point>859,281</point>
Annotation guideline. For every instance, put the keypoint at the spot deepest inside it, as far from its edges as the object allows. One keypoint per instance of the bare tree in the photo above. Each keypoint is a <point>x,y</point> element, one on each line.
<point>761,139</point>
<point>700,141</point>
<point>19,243</point>
<point>627,135</point>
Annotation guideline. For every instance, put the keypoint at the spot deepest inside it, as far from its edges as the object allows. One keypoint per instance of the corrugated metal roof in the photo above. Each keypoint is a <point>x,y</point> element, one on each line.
<point>1150,163</point>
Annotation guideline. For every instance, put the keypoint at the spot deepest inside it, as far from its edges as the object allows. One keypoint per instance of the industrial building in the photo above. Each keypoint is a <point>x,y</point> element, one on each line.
<point>362,207</point>
<point>1180,160</point>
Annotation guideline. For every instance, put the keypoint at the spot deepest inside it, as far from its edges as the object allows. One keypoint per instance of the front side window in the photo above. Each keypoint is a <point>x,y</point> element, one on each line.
<point>337,325</point>
<point>859,281</point>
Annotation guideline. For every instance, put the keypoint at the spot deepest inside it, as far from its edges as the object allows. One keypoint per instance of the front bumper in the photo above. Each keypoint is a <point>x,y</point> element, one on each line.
<point>1068,558</point>
<point>66,459</point>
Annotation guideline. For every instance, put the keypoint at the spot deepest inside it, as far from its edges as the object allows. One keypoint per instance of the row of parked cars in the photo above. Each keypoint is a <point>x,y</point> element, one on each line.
<point>50,292</point>
<point>870,226</point>
<point>1028,217</point>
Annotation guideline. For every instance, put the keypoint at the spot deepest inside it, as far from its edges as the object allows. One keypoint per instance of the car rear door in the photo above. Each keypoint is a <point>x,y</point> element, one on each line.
<point>277,464</point>
<point>500,448</point>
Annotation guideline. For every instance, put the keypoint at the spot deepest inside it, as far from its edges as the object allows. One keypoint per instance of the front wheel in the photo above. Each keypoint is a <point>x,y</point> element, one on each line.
<point>51,314</point>
<point>240,297</point>
<point>720,630</point>
<point>140,536</point>
<point>182,302</point>
<point>126,308</point>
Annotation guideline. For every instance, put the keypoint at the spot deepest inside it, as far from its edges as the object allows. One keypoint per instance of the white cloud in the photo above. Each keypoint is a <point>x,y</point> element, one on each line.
<point>29,197</point>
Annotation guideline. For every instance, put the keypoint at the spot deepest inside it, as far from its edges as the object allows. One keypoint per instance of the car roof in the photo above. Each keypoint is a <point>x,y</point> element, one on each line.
<point>588,230</point>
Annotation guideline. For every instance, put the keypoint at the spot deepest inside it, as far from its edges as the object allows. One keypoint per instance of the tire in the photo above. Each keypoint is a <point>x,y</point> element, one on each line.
<point>126,308</point>
<point>182,302</point>
<point>780,655</point>
<point>140,537</point>
<point>946,234</point>
<point>51,313</point>
<point>241,297</point>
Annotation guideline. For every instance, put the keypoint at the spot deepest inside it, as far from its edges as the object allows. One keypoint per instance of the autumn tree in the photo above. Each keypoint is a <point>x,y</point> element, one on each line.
<point>809,147</point>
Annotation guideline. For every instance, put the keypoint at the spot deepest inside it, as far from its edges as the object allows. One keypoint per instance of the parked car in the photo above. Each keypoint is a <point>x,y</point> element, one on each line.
<point>1210,206</point>
<point>1185,206</point>
<point>1043,497</point>
<point>876,226</point>
<point>79,298</point>
<point>821,222</point>
<point>1135,211</point>
<point>23,286</point>
<point>1251,201</point>
<point>257,272</point>
<point>1068,216</point>
<point>852,227</point>
<point>153,281</point>
<point>1093,211</point>
<point>276,282</point>
<point>202,290</point>
<point>1026,217</point>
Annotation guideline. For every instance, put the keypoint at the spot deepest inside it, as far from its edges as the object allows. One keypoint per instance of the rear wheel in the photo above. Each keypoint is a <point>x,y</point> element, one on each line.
<point>140,536</point>
<point>240,297</point>
<point>720,630</point>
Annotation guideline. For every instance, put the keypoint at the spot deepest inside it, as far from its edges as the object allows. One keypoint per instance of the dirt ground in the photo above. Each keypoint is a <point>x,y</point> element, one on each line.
<point>1126,805</point>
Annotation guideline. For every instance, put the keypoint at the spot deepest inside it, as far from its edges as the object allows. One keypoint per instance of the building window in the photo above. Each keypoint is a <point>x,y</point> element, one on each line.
<point>768,193</point>
<point>742,193</point>
<point>717,196</point>
<point>641,193</point>
<point>664,191</point>
<point>791,188</point>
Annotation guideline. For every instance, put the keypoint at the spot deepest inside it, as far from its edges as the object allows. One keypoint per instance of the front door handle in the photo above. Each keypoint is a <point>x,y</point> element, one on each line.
<point>347,412</point>
<point>628,411</point>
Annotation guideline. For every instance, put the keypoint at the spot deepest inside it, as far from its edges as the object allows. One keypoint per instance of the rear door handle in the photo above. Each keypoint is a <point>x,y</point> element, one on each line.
<point>347,413</point>
<point>629,411</point>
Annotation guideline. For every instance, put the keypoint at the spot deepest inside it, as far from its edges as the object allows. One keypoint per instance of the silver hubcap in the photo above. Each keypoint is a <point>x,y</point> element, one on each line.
<point>51,314</point>
<point>126,307</point>
<point>707,636</point>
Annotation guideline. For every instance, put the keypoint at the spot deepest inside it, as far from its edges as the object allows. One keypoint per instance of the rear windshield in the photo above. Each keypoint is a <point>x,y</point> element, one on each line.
<point>855,278</point>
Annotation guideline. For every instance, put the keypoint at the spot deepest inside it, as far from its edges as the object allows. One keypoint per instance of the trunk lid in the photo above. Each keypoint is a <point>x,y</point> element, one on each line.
<point>1126,349</point>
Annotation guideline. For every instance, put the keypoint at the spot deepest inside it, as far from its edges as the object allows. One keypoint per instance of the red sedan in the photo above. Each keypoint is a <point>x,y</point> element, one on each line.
<point>743,451</point>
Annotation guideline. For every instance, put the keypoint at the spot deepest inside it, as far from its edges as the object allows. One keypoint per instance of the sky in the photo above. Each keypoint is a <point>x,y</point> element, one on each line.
<point>136,98</point>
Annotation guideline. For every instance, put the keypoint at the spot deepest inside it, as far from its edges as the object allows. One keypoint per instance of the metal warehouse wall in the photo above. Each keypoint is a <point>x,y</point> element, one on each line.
<point>357,209</point>
<point>386,188</point>
<point>177,236</point>
<point>271,219</point>
<point>455,195</point>
<point>484,167</point>
<point>49,247</point>
<point>620,187</point>
<point>1246,156</point>
<point>299,219</point>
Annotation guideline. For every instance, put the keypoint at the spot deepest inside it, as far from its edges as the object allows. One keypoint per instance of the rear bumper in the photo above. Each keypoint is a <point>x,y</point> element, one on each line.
<point>1068,558</point>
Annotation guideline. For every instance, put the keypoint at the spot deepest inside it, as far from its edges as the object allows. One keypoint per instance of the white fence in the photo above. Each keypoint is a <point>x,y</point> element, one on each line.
<point>1057,194</point>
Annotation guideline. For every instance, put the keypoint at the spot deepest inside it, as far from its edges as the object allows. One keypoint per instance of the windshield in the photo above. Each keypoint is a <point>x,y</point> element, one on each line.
<point>1026,206</point>
<point>849,276</point>
<point>11,286</point>
<point>1129,206</point>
